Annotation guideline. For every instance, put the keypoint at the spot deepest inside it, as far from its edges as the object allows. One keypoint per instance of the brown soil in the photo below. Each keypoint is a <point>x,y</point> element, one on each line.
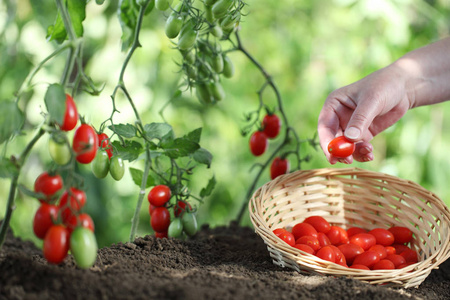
<point>222,263</point>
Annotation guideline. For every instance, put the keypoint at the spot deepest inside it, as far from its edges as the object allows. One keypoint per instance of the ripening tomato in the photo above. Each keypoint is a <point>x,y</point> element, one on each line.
<point>287,237</point>
<point>70,115</point>
<point>85,144</point>
<point>160,219</point>
<point>271,125</point>
<point>258,143</point>
<point>56,244</point>
<point>326,253</point>
<point>71,202</point>
<point>311,241</point>
<point>341,147</point>
<point>48,185</point>
<point>304,248</point>
<point>368,258</point>
<point>302,229</point>
<point>319,223</point>
<point>180,208</point>
<point>380,250</point>
<point>384,264</point>
<point>354,230</point>
<point>402,235</point>
<point>350,251</point>
<point>383,236</point>
<point>396,259</point>
<point>159,195</point>
<point>44,219</point>
<point>103,143</point>
<point>279,166</point>
<point>364,240</point>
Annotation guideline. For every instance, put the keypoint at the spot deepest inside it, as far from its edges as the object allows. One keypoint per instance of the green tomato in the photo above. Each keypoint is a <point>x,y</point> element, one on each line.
<point>59,152</point>
<point>210,2</point>
<point>189,57</point>
<point>189,222</point>
<point>216,90</point>
<point>220,8</point>
<point>209,14</point>
<point>173,26</point>
<point>217,63</point>
<point>175,228</point>
<point>228,67</point>
<point>203,93</point>
<point>217,31</point>
<point>187,36</point>
<point>83,247</point>
<point>100,164</point>
<point>117,167</point>
<point>162,5</point>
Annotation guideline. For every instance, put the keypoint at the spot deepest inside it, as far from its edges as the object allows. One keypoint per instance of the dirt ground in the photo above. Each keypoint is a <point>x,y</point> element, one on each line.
<point>223,263</point>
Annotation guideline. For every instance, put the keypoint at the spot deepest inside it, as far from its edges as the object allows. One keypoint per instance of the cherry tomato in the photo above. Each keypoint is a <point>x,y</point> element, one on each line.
<point>48,185</point>
<point>364,240</point>
<point>160,235</point>
<point>228,67</point>
<point>271,125</point>
<point>56,244</point>
<point>287,237</point>
<point>220,8</point>
<point>103,143</point>
<point>368,258</point>
<point>302,229</point>
<point>323,239</point>
<point>383,236</point>
<point>117,168</point>
<point>216,91</point>
<point>217,60</point>
<point>162,5</point>
<point>189,222</point>
<point>311,241</point>
<point>70,116</point>
<point>71,202</point>
<point>380,250</point>
<point>44,219</point>
<point>402,235</point>
<point>258,143</point>
<point>343,235</point>
<point>279,231</point>
<point>85,144</point>
<point>319,223</point>
<point>334,235</point>
<point>279,167</point>
<point>360,267</point>
<point>82,220</point>
<point>304,248</point>
<point>384,264</point>
<point>396,259</point>
<point>350,251</point>
<point>59,152</point>
<point>175,228</point>
<point>354,230</point>
<point>151,208</point>
<point>188,35</point>
<point>399,248</point>
<point>390,250</point>
<point>159,195</point>
<point>326,253</point>
<point>341,147</point>
<point>173,26</point>
<point>100,164</point>
<point>180,208</point>
<point>160,219</point>
<point>410,256</point>
<point>203,94</point>
<point>83,246</point>
<point>339,256</point>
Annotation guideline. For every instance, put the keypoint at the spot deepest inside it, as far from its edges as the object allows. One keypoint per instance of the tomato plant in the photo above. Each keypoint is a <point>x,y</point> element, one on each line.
<point>180,208</point>
<point>341,147</point>
<point>103,143</point>
<point>85,144</point>
<point>175,228</point>
<point>279,166</point>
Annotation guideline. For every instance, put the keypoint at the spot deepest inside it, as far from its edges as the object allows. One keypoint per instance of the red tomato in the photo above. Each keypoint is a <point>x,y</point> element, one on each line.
<point>380,250</point>
<point>83,220</point>
<point>343,235</point>
<point>326,253</point>
<point>160,219</point>
<point>56,244</point>
<point>159,195</point>
<point>384,264</point>
<point>364,240</point>
<point>287,237</point>
<point>160,235</point>
<point>396,259</point>
<point>399,248</point>
<point>71,202</point>
<point>271,125</point>
<point>405,265</point>
<point>368,258</point>
<point>304,248</point>
<point>360,267</point>
<point>302,229</point>
<point>151,208</point>
<point>311,241</point>
<point>339,256</point>
<point>410,256</point>
<point>350,251</point>
<point>279,231</point>
<point>258,143</point>
<point>44,219</point>
<point>383,236</point>
<point>279,167</point>
<point>85,144</point>
<point>354,230</point>
<point>334,235</point>
<point>341,147</point>
<point>319,223</point>
<point>180,208</point>
<point>103,143</point>
<point>402,235</point>
<point>323,239</point>
<point>390,250</point>
<point>48,185</point>
<point>70,116</point>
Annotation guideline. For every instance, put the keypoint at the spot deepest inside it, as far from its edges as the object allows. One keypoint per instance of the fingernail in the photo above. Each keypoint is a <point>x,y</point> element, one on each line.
<point>352,133</point>
<point>365,150</point>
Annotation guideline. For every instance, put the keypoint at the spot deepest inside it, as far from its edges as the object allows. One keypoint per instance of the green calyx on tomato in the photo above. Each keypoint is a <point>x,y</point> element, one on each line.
<point>117,167</point>
<point>100,164</point>
<point>83,246</point>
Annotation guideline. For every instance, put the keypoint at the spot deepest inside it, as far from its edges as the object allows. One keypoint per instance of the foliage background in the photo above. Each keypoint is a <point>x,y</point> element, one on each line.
<point>309,47</point>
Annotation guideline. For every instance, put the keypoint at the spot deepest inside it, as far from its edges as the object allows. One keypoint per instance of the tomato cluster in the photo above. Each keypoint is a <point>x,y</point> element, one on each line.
<point>105,162</point>
<point>183,219</point>
<point>60,222</point>
<point>358,248</point>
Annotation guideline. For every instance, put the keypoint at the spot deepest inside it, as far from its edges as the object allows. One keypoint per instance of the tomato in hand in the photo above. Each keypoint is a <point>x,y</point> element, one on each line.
<point>56,244</point>
<point>402,235</point>
<point>258,143</point>
<point>160,219</point>
<point>271,125</point>
<point>70,115</point>
<point>340,147</point>
<point>71,201</point>
<point>279,167</point>
<point>44,219</point>
<point>117,168</point>
<point>83,246</point>
<point>48,185</point>
<point>159,195</point>
<point>85,144</point>
<point>302,229</point>
<point>319,223</point>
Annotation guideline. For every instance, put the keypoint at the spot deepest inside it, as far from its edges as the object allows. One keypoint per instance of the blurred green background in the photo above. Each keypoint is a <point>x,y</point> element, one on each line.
<point>309,47</point>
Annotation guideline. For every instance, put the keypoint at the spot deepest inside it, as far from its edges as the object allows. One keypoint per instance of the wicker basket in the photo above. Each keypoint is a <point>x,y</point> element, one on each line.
<point>353,197</point>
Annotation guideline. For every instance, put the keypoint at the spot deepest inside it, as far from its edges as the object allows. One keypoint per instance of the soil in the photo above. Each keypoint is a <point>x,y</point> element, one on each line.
<point>222,263</point>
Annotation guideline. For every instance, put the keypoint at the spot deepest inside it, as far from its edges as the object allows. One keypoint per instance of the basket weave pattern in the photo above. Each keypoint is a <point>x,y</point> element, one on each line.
<point>353,197</point>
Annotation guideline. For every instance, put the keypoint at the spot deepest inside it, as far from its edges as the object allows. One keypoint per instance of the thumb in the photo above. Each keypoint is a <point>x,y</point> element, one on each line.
<point>360,121</point>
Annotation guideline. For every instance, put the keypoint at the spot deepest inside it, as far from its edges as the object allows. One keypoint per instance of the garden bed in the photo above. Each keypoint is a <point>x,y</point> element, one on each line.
<point>221,263</point>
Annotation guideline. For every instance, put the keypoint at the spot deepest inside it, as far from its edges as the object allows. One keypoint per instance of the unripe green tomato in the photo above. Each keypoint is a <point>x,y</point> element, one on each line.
<point>59,152</point>
<point>217,63</point>
<point>175,228</point>
<point>189,57</point>
<point>228,67</point>
<point>210,2</point>
<point>217,31</point>
<point>189,222</point>
<point>162,5</point>
<point>188,36</point>
<point>216,90</point>
<point>191,72</point>
<point>116,167</point>
<point>220,8</point>
<point>83,247</point>
<point>228,23</point>
<point>100,164</point>
<point>209,14</point>
<point>203,93</point>
<point>173,26</point>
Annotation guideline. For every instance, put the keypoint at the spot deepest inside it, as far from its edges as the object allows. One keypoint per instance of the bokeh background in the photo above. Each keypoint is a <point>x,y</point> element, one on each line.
<point>309,47</point>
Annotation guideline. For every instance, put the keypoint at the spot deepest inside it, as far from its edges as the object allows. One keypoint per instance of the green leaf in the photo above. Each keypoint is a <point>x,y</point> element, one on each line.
<point>209,188</point>
<point>55,101</point>
<point>203,156</point>
<point>158,131</point>
<point>7,168</point>
<point>30,193</point>
<point>137,175</point>
<point>194,135</point>
<point>180,147</point>
<point>128,15</point>
<point>77,13</point>
<point>11,120</point>
<point>130,151</point>
<point>124,130</point>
